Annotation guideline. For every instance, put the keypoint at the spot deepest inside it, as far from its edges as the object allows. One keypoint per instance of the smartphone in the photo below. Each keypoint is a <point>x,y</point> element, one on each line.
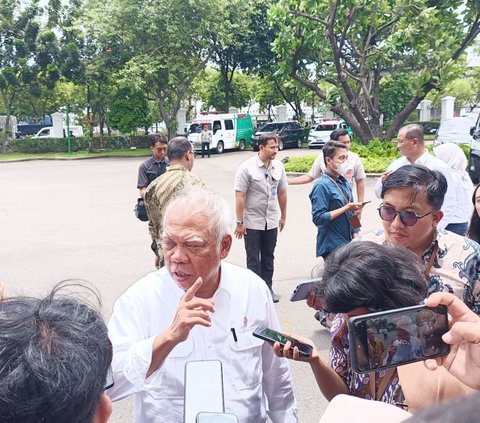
<point>203,388</point>
<point>204,417</point>
<point>273,336</point>
<point>391,338</point>
<point>303,289</point>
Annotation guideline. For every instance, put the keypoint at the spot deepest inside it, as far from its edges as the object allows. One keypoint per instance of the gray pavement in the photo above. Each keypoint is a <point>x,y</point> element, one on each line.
<point>74,219</point>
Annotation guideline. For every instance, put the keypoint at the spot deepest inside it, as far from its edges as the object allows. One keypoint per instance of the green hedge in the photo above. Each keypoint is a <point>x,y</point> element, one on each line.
<point>59,145</point>
<point>376,156</point>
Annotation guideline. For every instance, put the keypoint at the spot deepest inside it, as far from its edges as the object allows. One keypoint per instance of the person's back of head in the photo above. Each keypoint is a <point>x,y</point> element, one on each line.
<point>54,358</point>
<point>370,275</point>
<point>419,179</point>
<point>177,148</point>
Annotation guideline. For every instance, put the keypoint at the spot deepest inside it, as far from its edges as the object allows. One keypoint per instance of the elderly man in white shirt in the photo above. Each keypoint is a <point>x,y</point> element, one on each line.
<point>411,145</point>
<point>198,307</point>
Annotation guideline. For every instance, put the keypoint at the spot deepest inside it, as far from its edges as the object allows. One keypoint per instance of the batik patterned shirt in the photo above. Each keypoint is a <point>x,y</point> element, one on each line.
<point>455,269</point>
<point>360,385</point>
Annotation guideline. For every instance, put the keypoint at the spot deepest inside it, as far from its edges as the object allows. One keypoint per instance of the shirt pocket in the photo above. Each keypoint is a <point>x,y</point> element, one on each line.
<point>245,367</point>
<point>168,380</point>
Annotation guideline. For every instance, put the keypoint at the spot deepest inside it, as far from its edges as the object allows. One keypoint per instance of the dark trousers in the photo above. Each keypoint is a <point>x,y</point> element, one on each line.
<point>206,147</point>
<point>260,246</point>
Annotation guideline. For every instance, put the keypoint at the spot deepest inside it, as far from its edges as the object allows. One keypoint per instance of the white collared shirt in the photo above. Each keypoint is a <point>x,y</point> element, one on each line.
<point>453,208</point>
<point>251,371</point>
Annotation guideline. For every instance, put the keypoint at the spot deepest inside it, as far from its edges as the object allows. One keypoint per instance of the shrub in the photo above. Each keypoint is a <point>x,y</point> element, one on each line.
<point>376,156</point>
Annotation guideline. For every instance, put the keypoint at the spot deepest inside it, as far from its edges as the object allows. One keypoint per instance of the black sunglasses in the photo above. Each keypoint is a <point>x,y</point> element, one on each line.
<point>408,218</point>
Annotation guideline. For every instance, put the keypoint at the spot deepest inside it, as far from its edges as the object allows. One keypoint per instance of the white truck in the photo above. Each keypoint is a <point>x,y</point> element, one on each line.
<point>47,132</point>
<point>229,130</point>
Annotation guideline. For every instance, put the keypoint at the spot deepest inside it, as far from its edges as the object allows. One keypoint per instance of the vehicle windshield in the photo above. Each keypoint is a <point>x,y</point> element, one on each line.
<point>197,128</point>
<point>271,127</point>
<point>326,127</point>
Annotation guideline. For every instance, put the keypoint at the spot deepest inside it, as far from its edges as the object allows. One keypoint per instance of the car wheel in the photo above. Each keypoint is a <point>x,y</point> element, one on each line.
<point>241,146</point>
<point>280,145</point>
<point>299,143</point>
<point>220,147</point>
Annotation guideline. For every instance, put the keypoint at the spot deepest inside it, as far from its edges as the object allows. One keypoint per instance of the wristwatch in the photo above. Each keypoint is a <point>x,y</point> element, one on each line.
<point>239,222</point>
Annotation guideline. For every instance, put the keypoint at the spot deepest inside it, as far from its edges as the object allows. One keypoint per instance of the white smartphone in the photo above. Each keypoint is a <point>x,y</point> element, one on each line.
<point>203,388</point>
<point>216,418</point>
<point>303,289</point>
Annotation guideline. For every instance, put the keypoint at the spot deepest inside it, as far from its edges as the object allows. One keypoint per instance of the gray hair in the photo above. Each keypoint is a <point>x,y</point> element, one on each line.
<point>207,203</point>
<point>177,147</point>
<point>413,130</point>
<point>54,358</point>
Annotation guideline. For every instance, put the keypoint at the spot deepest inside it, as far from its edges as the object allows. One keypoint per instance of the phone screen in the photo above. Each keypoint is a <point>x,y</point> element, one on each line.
<point>273,336</point>
<point>203,388</point>
<point>395,337</point>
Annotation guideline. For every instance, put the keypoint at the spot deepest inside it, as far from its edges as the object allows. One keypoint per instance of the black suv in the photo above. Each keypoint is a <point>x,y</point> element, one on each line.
<point>474,165</point>
<point>291,134</point>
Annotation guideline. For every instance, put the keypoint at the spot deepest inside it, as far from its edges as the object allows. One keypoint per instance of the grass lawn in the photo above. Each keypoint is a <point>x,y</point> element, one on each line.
<point>77,155</point>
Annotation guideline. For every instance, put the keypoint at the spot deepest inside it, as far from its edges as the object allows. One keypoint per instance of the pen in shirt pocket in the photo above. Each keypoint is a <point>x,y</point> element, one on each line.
<point>234,334</point>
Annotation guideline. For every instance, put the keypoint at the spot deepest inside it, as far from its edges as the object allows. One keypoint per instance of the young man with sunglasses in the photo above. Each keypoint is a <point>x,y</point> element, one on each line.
<point>411,212</point>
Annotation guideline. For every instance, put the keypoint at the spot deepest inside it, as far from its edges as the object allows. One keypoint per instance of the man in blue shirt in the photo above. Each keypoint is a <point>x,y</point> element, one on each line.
<point>332,201</point>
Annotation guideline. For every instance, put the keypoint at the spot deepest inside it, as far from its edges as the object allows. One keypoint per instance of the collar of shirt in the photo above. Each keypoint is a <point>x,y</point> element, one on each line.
<point>177,167</point>
<point>338,178</point>
<point>260,163</point>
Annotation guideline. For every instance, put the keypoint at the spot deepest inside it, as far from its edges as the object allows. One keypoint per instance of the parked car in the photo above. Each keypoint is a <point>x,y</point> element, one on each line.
<point>321,133</point>
<point>474,159</point>
<point>456,130</point>
<point>291,134</point>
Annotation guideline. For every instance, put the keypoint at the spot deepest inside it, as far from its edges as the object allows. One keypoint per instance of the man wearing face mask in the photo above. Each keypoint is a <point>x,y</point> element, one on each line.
<point>333,209</point>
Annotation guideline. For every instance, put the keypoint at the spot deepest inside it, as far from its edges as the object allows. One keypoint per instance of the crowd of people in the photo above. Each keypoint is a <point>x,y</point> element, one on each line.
<point>59,362</point>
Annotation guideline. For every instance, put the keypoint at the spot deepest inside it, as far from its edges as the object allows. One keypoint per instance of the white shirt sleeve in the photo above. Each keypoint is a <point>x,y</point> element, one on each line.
<point>317,168</point>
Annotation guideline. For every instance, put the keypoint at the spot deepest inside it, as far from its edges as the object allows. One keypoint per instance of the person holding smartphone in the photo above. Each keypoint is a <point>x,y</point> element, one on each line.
<point>359,278</point>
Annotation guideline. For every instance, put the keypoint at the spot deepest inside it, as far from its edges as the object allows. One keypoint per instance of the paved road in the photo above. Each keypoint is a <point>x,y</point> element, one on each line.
<point>74,219</point>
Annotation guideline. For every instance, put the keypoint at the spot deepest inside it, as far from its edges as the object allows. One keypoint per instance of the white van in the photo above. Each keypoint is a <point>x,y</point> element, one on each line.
<point>229,130</point>
<point>47,132</point>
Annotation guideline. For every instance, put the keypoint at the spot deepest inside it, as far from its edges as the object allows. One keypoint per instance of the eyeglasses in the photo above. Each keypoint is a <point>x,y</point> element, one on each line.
<point>408,218</point>
<point>193,152</point>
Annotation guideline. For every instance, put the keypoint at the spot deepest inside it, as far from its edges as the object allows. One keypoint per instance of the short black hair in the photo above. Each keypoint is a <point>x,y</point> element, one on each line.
<point>474,226</point>
<point>366,274</point>
<point>154,138</point>
<point>337,133</point>
<point>177,147</point>
<point>264,138</point>
<point>330,148</point>
<point>54,358</point>
<point>419,179</point>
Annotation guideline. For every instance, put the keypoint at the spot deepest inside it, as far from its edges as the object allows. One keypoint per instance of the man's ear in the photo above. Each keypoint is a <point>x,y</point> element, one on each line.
<point>225,246</point>
<point>437,217</point>
<point>104,410</point>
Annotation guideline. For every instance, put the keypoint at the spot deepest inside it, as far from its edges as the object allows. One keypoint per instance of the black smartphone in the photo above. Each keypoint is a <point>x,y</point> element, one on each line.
<point>273,336</point>
<point>395,337</point>
<point>303,289</point>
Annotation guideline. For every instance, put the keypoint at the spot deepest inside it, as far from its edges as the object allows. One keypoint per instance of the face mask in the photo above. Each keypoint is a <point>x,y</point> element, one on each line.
<point>342,168</point>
